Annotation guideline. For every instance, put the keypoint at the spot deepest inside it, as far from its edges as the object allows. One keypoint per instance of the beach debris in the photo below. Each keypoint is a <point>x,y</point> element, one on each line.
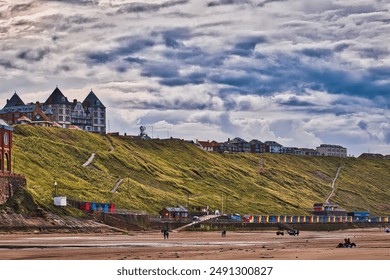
<point>347,244</point>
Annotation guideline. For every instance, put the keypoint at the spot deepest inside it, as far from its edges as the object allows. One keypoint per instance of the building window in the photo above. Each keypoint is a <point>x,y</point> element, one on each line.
<point>61,111</point>
<point>60,118</point>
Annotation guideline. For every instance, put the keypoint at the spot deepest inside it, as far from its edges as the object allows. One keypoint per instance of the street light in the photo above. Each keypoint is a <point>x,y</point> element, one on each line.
<point>55,187</point>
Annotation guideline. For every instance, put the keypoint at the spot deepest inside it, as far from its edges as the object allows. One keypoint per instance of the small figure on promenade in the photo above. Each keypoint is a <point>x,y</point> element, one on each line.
<point>223,233</point>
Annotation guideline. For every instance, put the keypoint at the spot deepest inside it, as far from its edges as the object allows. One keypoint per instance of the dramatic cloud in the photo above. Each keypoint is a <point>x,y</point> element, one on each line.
<point>298,72</point>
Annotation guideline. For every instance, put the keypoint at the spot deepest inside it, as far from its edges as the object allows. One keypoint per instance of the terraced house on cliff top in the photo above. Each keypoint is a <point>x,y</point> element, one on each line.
<point>88,115</point>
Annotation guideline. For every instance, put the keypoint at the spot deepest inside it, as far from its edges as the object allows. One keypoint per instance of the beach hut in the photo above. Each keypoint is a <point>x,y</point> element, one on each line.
<point>247,218</point>
<point>176,213</point>
<point>111,208</point>
<point>93,206</point>
<point>256,218</point>
<point>86,206</point>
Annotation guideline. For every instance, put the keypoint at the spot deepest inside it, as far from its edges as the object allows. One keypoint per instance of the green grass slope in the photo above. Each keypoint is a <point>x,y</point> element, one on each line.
<point>159,173</point>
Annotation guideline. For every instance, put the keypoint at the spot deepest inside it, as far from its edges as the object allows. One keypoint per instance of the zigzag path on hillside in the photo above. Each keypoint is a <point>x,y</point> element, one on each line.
<point>89,161</point>
<point>91,158</point>
<point>117,185</point>
<point>333,183</point>
<point>112,148</point>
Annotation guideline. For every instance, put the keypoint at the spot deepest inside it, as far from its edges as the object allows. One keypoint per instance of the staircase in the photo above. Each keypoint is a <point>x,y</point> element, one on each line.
<point>201,219</point>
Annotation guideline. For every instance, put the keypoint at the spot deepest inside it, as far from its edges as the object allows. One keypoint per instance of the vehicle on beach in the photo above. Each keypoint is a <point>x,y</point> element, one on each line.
<point>387,230</point>
<point>280,232</point>
<point>293,232</point>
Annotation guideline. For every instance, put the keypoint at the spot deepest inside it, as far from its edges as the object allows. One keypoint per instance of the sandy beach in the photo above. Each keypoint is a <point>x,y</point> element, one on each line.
<point>372,244</point>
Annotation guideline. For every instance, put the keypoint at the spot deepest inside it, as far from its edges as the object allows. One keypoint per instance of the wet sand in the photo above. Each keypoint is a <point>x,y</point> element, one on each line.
<point>372,244</point>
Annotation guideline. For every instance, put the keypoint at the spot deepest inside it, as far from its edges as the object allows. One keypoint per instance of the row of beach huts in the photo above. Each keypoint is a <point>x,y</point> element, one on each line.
<point>181,214</point>
<point>305,219</point>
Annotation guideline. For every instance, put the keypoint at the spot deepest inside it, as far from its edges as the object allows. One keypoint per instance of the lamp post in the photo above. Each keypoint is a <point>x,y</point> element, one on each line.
<point>55,187</point>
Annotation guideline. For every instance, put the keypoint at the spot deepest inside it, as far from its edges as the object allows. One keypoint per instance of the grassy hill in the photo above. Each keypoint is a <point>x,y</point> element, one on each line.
<point>159,173</point>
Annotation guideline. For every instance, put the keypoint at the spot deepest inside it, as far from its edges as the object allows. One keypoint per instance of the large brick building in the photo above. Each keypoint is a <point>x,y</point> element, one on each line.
<point>89,114</point>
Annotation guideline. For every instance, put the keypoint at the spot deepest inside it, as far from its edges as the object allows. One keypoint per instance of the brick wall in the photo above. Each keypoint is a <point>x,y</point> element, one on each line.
<point>9,184</point>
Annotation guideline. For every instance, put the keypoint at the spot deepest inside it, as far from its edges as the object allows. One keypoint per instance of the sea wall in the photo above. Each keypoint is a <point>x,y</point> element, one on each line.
<point>123,221</point>
<point>9,184</point>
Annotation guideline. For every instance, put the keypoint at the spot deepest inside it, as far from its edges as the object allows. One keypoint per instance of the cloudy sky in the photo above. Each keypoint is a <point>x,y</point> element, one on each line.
<point>299,72</point>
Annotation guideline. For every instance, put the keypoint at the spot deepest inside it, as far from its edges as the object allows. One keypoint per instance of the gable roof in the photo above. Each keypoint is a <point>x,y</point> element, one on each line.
<point>14,101</point>
<point>209,144</point>
<point>4,125</point>
<point>92,101</point>
<point>176,209</point>
<point>57,97</point>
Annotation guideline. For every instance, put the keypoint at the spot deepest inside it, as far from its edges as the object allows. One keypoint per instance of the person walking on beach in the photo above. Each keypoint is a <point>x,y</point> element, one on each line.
<point>166,233</point>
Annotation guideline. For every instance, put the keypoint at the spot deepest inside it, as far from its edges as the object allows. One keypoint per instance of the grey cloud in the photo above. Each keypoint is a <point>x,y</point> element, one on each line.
<point>135,60</point>
<point>262,4</point>
<point>173,37</point>
<point>295,101</point>
<point>193,78</point>
<point>317,52</point>
<point>33,54</point>
<point>61,23</point>
<point>341,47</point>
<point>374,52</point>
<point>386,133</point>
<point>161,70</point>
<point>72,2</point>
<point>144,8</point>
<point>245,47</point>
<point>165,104</point>
<point>362,125</point>
<point>227,2</point>
<point>21,7</point>
<point>128,47</point>
<point>6,64</point>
